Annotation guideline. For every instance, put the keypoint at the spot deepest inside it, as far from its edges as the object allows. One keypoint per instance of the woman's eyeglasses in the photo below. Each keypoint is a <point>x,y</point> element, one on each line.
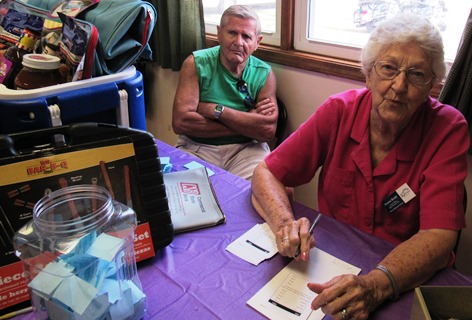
<point>388,71</point>
<point>249,102</point>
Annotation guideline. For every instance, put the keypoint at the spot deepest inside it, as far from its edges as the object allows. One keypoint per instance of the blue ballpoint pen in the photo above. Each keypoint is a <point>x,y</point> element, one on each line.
<point>309,231</point>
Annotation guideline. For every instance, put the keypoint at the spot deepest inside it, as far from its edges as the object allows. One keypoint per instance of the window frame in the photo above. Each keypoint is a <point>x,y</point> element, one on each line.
<point>286,55</point>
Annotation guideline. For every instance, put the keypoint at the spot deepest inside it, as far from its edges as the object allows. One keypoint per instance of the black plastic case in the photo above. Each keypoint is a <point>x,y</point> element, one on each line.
<point>143,188</point>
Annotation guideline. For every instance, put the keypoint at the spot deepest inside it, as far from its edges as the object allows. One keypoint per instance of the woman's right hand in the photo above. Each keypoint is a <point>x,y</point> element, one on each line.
<point>295,234</point>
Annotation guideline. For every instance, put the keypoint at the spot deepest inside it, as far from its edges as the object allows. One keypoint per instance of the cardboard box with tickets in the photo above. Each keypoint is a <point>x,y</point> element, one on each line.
<point>442,302</point>
<point>32,164</point>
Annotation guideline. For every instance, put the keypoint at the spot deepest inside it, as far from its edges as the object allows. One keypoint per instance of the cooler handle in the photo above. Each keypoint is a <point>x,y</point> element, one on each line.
<point>122,114</point>
<point>55,113</point>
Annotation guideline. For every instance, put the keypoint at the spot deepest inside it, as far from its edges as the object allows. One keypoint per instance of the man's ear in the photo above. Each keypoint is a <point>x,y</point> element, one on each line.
<point>218,32</point>
<point>259,39</point>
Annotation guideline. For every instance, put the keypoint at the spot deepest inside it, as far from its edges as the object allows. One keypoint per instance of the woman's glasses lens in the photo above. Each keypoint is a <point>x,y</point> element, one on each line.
<point>388,71</point>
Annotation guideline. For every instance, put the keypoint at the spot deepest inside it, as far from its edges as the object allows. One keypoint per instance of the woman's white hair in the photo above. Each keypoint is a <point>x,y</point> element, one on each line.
<point>241,11</point>
<point>406,29</point>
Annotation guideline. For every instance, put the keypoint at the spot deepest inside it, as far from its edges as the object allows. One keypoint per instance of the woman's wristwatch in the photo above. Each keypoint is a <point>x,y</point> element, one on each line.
<point>218,111</point>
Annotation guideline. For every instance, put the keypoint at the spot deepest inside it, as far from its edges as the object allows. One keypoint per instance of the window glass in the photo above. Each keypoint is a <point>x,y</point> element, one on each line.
<point>348,23</point>
<point>265,9</point>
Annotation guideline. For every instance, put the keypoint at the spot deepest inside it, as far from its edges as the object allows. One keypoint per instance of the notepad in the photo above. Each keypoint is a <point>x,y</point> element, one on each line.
<point>287,296</point>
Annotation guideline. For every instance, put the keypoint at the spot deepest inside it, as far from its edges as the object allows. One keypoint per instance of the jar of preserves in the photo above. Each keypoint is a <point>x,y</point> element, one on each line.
<point>78,254</point>
<point>39,70</point>
<point>13,56</point>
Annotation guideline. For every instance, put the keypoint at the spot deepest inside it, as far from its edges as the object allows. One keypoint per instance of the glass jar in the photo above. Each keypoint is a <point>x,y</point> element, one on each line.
<point>39,70</point>
<point>78,254</point>
<point>13,56</point>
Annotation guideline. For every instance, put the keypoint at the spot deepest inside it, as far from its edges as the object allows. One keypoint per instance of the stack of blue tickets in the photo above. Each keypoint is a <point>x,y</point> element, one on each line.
<point>96,280</point>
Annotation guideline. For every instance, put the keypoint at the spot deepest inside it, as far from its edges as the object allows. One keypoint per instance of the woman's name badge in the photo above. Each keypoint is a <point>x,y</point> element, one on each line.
<point>401,196</point>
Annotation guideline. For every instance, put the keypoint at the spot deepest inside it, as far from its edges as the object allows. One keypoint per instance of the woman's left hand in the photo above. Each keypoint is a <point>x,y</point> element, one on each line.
<point>345,297</point>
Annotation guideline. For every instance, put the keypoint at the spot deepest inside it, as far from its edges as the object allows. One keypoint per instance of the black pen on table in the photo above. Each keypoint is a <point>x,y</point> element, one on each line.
<point>315,222</point>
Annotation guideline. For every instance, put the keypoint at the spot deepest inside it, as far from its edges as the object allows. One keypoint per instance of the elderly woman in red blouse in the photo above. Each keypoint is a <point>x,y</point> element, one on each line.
<point>393,164</point>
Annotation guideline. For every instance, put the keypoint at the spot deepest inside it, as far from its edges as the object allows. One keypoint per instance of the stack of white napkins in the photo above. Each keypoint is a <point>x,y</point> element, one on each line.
<point>256,245</point>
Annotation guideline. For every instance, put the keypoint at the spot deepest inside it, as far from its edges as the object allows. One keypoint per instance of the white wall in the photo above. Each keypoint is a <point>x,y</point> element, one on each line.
<point>301,91</point>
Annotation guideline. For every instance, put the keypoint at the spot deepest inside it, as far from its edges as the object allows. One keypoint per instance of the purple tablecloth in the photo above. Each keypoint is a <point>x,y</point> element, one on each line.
<point>196,278</point>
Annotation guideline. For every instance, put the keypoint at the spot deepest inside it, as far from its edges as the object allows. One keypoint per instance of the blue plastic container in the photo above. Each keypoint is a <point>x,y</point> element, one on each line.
<point>115,99</point>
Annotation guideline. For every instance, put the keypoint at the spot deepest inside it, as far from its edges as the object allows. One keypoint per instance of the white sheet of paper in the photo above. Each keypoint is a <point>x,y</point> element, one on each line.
<point>255,245</point>
<point>286,296</point>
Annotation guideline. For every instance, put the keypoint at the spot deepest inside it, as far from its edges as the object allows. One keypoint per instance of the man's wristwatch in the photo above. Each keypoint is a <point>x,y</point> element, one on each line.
<point>218,111</point>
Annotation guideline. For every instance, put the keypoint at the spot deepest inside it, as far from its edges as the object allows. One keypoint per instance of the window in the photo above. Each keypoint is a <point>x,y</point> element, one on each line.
<point>326,35</point>
<point>346,31</point>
